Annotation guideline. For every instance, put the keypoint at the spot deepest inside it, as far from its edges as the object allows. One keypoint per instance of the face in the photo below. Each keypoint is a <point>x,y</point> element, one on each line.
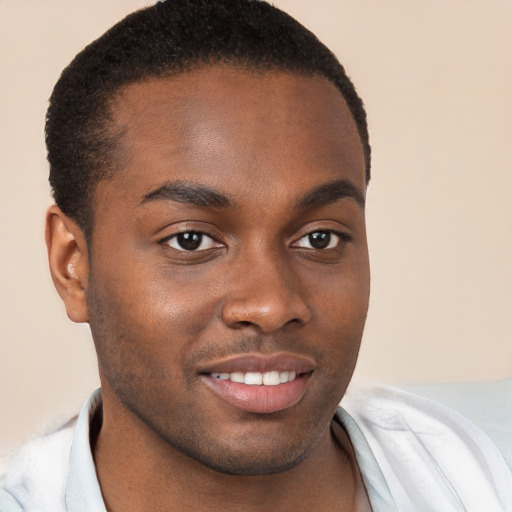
<point>229,275</point>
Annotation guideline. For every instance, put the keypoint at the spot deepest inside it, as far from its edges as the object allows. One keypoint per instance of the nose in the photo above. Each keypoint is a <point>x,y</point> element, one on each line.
<point>266,295</point>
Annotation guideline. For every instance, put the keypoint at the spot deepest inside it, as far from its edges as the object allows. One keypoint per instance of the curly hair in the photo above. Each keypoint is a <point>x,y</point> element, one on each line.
<point>169,38</point>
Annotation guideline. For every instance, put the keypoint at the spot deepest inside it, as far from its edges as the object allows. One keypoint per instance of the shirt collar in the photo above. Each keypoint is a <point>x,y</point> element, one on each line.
<point>83,493</point>
<point>376,486</point>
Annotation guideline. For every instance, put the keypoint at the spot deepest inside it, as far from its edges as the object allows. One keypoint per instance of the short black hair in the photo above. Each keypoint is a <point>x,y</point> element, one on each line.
<point>169,38</point>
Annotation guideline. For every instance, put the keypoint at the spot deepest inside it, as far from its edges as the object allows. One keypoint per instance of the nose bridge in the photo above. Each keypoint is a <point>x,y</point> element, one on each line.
<point>264,291</point>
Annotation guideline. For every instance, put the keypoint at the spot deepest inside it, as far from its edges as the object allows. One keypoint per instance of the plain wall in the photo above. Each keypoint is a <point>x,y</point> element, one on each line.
<point>436,78</point>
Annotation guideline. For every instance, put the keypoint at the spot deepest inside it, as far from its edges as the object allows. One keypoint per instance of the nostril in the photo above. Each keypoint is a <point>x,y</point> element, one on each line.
<point>244,323</point>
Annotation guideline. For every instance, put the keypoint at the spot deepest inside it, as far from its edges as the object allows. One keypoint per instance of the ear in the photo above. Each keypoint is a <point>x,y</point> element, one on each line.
<point>69,264</point>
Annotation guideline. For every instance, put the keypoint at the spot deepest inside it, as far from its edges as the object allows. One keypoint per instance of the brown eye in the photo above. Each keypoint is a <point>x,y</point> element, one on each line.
<point>319,240</point>
<point>191,241</point>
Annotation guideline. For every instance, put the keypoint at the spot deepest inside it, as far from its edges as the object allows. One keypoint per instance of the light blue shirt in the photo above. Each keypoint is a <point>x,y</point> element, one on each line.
<point>74,487</point>
<point>413,455</point>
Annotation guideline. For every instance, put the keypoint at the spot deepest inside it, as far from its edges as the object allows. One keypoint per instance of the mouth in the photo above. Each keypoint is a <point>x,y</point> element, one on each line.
<point>260,384</point>
<point>272,378</point>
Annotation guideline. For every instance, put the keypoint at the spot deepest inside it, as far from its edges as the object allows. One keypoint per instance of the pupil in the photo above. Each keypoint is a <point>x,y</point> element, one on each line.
<point>190,241</point>
<point>320,239</point>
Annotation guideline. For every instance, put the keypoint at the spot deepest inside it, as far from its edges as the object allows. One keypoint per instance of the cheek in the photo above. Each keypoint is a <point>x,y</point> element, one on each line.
<point>155,296</point>
<point>342,296</point>
<point>145,321</point>
<point>340,312</point>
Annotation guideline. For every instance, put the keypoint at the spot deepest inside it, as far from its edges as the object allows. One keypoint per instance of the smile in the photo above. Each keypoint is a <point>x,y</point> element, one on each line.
<point>259,383</point>
<point>272,378</point>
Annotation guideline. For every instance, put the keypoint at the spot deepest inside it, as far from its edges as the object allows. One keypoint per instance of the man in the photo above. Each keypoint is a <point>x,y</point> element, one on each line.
<point>209,163</point>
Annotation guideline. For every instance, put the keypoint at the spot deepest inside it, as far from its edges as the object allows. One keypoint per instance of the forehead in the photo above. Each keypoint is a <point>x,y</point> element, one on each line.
<point>228,128</point>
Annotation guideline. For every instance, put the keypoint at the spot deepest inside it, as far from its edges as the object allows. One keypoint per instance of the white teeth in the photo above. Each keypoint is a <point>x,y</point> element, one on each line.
<point>253,378</point>
<point>272,378</point>
<point>237,377</point>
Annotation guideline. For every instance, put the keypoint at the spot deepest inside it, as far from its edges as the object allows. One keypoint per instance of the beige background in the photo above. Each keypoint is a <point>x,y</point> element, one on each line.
<point>436,77</point>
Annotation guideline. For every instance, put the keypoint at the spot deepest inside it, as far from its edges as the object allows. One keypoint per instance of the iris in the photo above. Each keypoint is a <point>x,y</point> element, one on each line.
<point>320,239</point>
<point>189,240</point>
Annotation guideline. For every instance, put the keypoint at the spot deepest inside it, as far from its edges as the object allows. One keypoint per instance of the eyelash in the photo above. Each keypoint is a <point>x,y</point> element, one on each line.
<point>202,235</point>
<point>343,237</point>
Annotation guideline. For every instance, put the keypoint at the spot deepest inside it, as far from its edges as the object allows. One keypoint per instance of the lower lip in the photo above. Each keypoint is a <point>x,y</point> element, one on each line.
<point>259,399</point>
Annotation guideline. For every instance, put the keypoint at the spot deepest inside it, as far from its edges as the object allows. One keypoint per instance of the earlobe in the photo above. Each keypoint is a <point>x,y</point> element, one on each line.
<point>68,259</point>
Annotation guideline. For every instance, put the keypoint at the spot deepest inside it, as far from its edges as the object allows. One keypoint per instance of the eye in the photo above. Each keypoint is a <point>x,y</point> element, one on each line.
<point>191,241</point>
<point>320,240</point>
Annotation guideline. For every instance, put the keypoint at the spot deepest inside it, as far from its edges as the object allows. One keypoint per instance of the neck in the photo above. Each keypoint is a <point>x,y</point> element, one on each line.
<point>139,471</point>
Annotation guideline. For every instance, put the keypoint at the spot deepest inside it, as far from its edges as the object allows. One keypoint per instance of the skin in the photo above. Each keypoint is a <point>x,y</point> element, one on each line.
<point>159,314</point>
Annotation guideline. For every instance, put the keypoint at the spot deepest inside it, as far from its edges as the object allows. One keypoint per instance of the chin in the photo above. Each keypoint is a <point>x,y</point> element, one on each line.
<point>249,464</point>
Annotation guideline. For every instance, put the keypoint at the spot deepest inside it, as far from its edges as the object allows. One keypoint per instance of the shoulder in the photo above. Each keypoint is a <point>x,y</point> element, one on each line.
<point>487,404</point>
<point>429,453</point>
<point>36,474</point>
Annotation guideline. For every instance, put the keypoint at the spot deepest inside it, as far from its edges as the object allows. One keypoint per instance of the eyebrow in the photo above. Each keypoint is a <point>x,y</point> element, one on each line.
<point>329,193</point>
<point>189,193</point>
<point>203,196</point>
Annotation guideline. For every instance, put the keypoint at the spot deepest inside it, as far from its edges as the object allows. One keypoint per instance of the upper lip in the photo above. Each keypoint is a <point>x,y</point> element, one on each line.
<point>282,361</point>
